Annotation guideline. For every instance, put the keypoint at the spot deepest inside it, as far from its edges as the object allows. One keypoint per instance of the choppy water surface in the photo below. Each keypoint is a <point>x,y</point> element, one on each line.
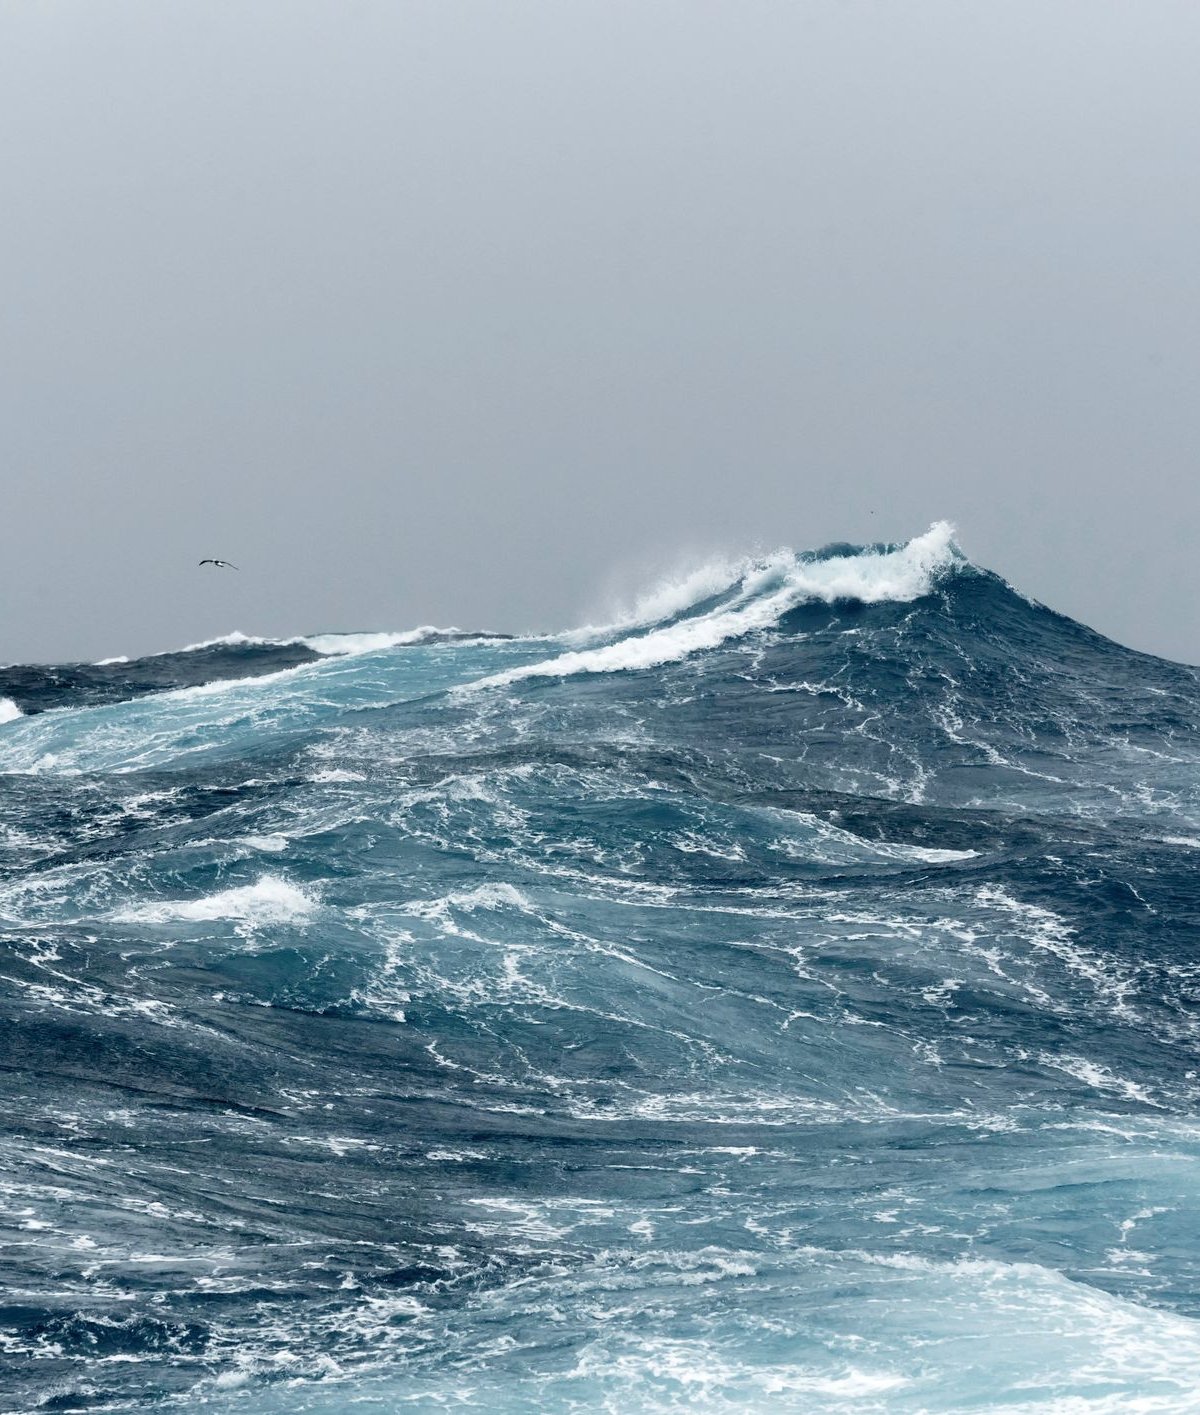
<point>785,998</point>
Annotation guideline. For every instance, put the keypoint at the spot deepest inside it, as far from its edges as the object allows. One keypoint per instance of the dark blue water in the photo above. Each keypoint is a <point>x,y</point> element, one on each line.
<point>785,999</point>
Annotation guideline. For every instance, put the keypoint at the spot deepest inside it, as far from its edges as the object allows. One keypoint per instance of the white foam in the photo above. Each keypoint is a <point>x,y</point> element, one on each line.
<point>767,589</point>
<point>329,645</point>
<point>272,844</point>
<point>1048,933</point>
<point>846,845</point>
<point>709,1378</point>
<point>1100,1078</point>
<point>221,641</point>
<point>497,895</point>
<point>220,687</point>
<point>672,595</point>
<point>927,854</point>
<point>9,711</point>
<point>271,900</point>
<point>334,645</point>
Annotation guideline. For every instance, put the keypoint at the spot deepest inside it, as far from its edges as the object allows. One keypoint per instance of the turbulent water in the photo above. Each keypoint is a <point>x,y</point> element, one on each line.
<point>784,998</point>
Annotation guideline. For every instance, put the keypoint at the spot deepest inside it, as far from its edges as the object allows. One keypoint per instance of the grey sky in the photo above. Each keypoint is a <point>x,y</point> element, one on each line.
<point>473,313</point>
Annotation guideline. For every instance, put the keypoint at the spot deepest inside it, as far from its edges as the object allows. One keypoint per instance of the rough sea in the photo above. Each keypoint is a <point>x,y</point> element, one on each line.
<point>785,998</point>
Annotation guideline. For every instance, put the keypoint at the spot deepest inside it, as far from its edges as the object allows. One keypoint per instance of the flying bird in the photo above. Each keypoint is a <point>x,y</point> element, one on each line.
<point>220,564</point>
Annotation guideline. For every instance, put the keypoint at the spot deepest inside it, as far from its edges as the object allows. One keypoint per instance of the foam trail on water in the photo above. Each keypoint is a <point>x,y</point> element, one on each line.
<point>766,590</point>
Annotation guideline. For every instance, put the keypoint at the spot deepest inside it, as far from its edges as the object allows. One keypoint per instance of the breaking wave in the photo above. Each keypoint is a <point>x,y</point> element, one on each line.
<point>270,900</point>
<point>755,596</point>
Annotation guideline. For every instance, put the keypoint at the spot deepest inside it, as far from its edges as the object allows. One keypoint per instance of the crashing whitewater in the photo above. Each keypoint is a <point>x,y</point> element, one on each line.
<point>783,997</point>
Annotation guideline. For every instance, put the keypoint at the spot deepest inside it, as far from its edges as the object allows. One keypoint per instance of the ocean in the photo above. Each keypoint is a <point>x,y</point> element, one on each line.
<point>786,997</point>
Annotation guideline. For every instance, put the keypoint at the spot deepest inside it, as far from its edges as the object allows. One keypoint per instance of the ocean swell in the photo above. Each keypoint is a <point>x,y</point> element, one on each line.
<point>779,998</point>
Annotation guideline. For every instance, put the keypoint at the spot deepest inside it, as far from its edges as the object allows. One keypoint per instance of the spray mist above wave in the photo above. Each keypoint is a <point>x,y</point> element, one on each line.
<point>729,601</point>
<point>865,573</point>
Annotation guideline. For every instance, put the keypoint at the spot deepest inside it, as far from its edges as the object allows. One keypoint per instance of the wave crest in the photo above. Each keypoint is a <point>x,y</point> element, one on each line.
<point>328,645</point>
<point>270,900</point>
<point>758,595</point>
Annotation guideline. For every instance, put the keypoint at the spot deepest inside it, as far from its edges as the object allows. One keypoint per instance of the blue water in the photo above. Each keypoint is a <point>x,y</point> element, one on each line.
<point>782,999</point>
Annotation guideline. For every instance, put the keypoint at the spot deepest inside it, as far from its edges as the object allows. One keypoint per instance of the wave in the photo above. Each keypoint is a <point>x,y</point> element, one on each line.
<point>341,644</point>
<point>9,711</point>
<point>721,600</point>
<point>234,639</point>
<point>757,595</point>
<point>365,1039</point>
<point>336,645</point>
<point>270,900</point>
<point>327,645</point>
<point>670,596</point>
<point>38,688</point>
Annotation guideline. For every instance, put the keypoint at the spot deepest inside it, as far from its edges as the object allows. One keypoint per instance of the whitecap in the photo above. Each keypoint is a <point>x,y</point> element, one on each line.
<point>767,589</point>
<point>271,900</point>
<point>235,639</point>
<point>346,645</point>
<point>329,644</point>
<point>272,844</point>
<point>672,595</point>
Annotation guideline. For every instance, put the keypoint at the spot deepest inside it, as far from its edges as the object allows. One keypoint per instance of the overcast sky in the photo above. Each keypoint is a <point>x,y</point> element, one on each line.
<point>479,313</point>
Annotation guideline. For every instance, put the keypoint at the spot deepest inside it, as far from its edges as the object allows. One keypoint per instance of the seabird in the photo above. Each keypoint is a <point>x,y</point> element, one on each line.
<point>220,564</point>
